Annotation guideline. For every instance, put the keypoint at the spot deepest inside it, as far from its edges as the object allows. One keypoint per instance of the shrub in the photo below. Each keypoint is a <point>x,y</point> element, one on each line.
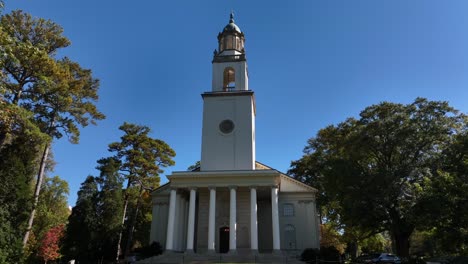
<point>329,254</point>
<point>324,254</point>
<point>310,254</point>
<point>152,250</point>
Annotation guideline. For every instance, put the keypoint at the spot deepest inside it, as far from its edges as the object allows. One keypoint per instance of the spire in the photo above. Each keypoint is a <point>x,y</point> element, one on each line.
<point>231,26</point>
<point>231,17</point>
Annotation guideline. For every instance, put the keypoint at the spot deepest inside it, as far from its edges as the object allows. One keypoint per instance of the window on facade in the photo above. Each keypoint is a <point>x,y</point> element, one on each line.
<point>229,81</point>
<point>288,210</point>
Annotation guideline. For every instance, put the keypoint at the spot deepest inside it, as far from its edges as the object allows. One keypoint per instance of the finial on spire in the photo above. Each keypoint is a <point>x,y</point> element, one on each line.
<point>231,20</point>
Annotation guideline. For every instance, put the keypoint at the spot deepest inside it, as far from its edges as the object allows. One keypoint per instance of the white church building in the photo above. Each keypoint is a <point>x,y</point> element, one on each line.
<point>231,203</point>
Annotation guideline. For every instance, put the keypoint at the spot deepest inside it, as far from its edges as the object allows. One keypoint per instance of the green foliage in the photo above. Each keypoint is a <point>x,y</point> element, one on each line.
<point>58,92</point>
<point>446,197</point>
<point>375,243</point>
<point>96,217</point>
<point>31,45</point>
<point>43,94</point>
<point>141,156</point>
<point>82,224</point>
<point>194,166</point>
<point>373,172</point>
<point>109,207</point>
<point>143,220</point>
<point>142,160</point>
<point>152,250</point>
<point>329,237</point>
<point>17,168</point>
<point>53,205</point>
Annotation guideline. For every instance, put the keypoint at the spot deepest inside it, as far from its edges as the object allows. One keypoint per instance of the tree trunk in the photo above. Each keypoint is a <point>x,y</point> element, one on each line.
<point>131,229</point>
<point>122,223</point>
<point>3,137</point>
<point>401,231</point>
<point>401,237</point>
<point>37,190</point>
<point>352,249</point>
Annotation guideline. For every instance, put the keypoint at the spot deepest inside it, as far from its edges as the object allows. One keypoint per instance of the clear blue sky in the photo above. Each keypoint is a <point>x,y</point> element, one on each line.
<point>311,64</point>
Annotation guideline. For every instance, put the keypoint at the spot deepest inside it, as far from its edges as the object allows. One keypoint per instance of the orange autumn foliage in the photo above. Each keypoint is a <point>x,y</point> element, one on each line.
<point>49,249</point>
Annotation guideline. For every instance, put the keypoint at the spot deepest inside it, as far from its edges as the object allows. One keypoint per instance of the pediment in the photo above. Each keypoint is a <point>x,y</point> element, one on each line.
<point>288,184</point>
<point>162,190</point>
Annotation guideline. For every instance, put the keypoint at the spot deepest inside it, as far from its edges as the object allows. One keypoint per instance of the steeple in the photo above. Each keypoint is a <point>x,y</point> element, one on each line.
<point>228,135</point>
<point>229,61</point>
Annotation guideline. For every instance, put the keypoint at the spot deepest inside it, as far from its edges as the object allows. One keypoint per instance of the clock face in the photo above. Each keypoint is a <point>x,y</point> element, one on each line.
<point>226,126</point>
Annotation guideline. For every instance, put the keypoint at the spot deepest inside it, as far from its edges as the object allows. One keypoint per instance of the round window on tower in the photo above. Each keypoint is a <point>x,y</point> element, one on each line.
<point>226,126</point>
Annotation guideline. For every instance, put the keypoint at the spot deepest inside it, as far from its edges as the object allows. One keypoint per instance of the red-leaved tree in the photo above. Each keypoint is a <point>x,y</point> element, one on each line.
<point>49,249</point>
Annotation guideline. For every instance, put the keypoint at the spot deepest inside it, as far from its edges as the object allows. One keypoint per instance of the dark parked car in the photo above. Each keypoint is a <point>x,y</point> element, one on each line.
<point>378,258</point>
<point>385,258</point>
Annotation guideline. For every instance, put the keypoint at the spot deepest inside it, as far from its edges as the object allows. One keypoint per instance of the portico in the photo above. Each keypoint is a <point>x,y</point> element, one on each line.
<point>221,182</point>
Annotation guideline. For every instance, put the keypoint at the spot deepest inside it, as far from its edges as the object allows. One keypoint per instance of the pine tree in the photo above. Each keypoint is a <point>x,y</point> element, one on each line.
<point>81,231</point>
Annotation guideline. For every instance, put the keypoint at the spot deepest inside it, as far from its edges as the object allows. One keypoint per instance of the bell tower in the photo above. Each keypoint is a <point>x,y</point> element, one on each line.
<point>228,133</point>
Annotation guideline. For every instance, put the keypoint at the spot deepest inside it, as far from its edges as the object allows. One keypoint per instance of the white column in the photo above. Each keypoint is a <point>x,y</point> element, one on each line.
<point>191,220</point>
<point>211,220</point>
<point>253,219</point>
<point>170,221</point>
<point>232,221</point>
<point>274,218</point>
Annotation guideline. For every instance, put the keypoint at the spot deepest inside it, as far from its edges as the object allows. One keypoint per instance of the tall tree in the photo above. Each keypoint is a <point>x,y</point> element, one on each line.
<point>81,231</point>
<point>53,206</point>
<point>447,197</point>
<point>109,206</point>
<point>17,169</point>
<point>96,216</point>
<point>58,92</point>
<point>376,167</point>
<point>142,159</point>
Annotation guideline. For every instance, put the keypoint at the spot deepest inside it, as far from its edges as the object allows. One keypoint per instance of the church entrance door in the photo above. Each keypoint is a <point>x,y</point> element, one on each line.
<point>290,236</point>
<point>224,239</point>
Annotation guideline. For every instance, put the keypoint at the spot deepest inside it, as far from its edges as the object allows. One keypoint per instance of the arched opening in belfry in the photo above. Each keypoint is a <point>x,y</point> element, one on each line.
<point>229,81</point>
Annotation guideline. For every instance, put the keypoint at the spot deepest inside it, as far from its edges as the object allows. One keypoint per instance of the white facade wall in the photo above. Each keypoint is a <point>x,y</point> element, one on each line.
<point>159,222</point>
<point>304,221</point>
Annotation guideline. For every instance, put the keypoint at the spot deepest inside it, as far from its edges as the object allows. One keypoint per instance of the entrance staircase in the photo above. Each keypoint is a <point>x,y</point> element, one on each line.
<point>170,258</point>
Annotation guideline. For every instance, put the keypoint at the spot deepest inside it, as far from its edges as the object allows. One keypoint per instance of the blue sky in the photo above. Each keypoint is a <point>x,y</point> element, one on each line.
<point>311,64</point>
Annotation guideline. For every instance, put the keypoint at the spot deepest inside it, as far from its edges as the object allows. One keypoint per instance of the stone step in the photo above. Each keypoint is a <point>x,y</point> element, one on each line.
<point>170,258</point>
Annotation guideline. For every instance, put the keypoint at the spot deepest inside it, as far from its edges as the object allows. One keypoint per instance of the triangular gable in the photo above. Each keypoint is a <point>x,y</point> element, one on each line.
<point>261,166</point>
<point>161,190</point>
<point>289,184</point>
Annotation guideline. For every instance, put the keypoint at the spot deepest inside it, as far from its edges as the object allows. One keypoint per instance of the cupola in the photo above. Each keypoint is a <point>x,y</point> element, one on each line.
<point>231,39</point>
